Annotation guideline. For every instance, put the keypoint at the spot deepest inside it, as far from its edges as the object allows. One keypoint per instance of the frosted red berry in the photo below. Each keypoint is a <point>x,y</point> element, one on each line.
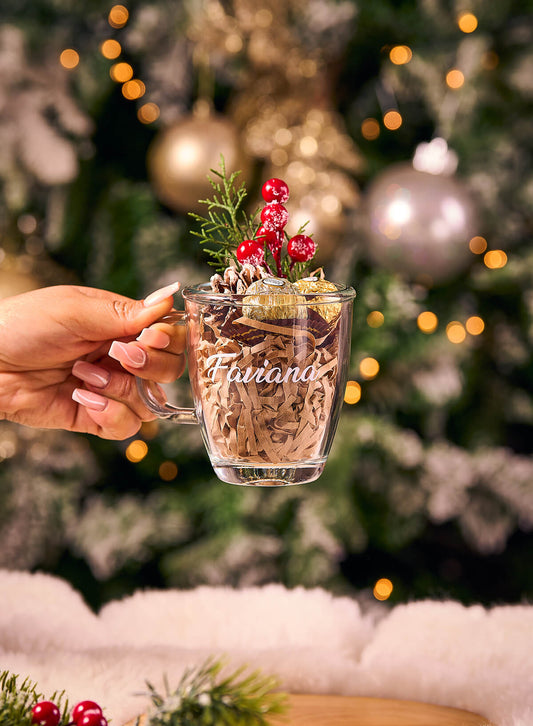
<point>301,248</point>
<point>251,251</point>
<point>275,190</point>
<point>274,216</point>
<point>45,713</point>
<point>92,718</point>
<point>272,238</point>
<point>81,708</point>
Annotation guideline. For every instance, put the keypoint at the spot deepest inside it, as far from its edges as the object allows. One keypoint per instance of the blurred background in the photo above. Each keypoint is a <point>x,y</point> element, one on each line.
<point>404,130</point>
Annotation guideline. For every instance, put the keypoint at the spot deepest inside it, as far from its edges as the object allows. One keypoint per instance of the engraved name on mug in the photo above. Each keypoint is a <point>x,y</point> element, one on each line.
<point>263,373</point>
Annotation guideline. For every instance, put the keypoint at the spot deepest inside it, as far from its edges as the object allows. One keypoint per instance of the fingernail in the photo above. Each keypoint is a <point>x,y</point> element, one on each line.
<point>132,355</point>
<point>94,375</point>
<point>154,338</point>
<point>89,399</point>
<point>161,294</point>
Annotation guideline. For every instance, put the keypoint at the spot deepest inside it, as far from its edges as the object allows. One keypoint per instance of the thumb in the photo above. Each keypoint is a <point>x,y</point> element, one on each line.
<point>101,315</point>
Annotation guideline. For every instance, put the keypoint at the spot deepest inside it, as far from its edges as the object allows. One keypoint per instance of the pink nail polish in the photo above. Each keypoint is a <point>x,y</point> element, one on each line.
<point>154,338</point>
<point>131,355</point>
<point>161,294</point>
<point>91,374</point>
<point>89,399</point>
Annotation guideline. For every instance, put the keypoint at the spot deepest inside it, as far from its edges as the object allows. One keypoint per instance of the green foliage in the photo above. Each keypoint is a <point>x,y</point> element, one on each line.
<point>18,697</point>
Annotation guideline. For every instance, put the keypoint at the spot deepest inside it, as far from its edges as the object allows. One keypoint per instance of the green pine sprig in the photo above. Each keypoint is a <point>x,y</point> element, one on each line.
<point>17,698</point>
<point>226,224</point>
<point>201,697</point>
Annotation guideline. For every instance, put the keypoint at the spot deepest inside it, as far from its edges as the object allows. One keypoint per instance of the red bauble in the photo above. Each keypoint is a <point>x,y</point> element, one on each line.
<point>275,190</point>
<point>251,251</point>
<point>274,216</point>
<point>81,708</point>
<point>273,239</point>
<point>45,713</point>
<point>301,248</point>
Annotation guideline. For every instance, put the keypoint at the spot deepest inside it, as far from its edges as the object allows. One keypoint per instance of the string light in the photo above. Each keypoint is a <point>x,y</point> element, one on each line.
<point>427,322</point>
<point>118,16</point>
<point>148,113</point>
<point>455,78</point>
<point>400,55</point>
<point>383,589</point>
<point>478,245</point>
<point>370,129</point>
<point>121,72</point>
<point>467,22</point>
<point>69,58</point>
<point>475,325</point>
<point>168,471</point>
<point>369,368</point>
<point>136,450</point>
<point>495,259</point>
<point>110,49</point>
<point>133,89</point>
<point>352,393</point>
<point>455,332</point>
<point>392,120</point>
<point>375,319</point>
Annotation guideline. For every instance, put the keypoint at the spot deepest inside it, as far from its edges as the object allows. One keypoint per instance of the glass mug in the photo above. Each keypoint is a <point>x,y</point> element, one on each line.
<point>267,383</point>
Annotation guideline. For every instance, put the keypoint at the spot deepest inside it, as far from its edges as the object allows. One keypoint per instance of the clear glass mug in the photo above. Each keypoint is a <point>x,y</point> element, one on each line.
<point>267,391</point>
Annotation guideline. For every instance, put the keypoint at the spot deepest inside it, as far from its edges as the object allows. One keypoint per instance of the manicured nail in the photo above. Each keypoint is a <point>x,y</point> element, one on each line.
<point>154,338</point>
<point>132,355</point>
<point>91,374</point>
<point>162,294</point>
<point>89,399</point>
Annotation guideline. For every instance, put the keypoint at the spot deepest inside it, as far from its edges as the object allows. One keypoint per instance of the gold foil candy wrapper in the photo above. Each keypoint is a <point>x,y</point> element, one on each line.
<point>311,285</point>
<point>273,299</point>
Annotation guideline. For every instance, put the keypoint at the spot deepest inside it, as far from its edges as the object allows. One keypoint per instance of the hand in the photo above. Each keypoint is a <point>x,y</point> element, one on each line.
<point>56,337</point>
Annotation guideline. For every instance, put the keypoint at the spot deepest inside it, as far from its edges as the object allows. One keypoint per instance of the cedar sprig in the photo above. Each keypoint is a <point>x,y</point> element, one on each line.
<point>226,224</point>
<point>18,698</point>
<point>201,697</point>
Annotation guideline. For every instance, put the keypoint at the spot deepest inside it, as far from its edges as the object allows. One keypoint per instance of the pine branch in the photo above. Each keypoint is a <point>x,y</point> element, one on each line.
<point>17,700</point>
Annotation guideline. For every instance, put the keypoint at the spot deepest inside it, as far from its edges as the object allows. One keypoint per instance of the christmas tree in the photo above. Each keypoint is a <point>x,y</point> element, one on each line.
<point>403,130</point>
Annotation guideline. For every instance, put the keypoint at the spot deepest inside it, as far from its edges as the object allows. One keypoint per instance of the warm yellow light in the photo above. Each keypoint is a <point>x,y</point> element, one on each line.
<point>427,322</point>
<point>475,325</point>
<point>353,392</point>
<point>467,22</point>
<point>369,368</point>
<point>375,319</point>
<point>168,471</point>
<point>400,54</point>
<point>383,589</point>
<point>69,58</point>
<point>478,245</point>
<point>456,332</point>
<point>118,16</point>
<point>133,89</point>
<point>455,78</point>
<point>370,129</point>
<point>392,120</point>
<point>148,113</point>
<point>110,49</point>
<point>121,72</point>
<point>494,259</point>
<point>136,450</point>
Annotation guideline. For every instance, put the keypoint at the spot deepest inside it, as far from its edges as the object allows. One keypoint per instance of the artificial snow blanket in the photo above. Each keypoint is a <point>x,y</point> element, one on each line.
<point>438,652</point>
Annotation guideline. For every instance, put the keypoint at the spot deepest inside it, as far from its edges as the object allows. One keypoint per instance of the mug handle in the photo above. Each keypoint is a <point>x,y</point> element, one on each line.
<point>151,393</point>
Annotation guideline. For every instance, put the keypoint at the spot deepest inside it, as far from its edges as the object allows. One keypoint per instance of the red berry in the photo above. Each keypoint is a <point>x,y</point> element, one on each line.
<point>274,216</point>
<point>273,239</point>
<point>275,190</point>
<point>45,713</point>
<point>251,251</point>
<point>81,708</point>
<point>301,248</point>
<point>92,718</point>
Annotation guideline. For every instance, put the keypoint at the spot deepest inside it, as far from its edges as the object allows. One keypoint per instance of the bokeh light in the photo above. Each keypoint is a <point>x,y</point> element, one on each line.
<point>475,325</point>
<point>69,58</point>
<point>370,129</point>
<point>136,450</point>
<point>383,589</point>
<point>400,54</point>
<point>478,245</point>
<point>375,319</point>
<point>455,78</point>
<point>118,16</point>
<point>148,113</point>
<point>353,392</point>
<point>110,49</point>
<point>455,332</point>
<point>369,368</point>
<point>133,89</point>
<point>392,120</point>
<point>121,72</point>
<point>467,22</point>
<point>495,259</point>
<point>168,471</point>
<point>427,322</point>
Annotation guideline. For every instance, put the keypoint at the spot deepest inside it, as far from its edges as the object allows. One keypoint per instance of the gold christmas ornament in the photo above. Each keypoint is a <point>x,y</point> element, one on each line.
<point>273,299</point>
<point>309,285</point>
<point>181,156</point>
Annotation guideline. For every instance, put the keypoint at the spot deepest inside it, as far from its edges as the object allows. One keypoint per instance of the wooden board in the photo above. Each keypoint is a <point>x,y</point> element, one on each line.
<point>316,710</point>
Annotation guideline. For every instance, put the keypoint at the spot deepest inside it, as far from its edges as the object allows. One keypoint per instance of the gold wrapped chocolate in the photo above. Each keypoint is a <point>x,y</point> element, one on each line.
<point>311,285</point>
<point>273,299</point>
